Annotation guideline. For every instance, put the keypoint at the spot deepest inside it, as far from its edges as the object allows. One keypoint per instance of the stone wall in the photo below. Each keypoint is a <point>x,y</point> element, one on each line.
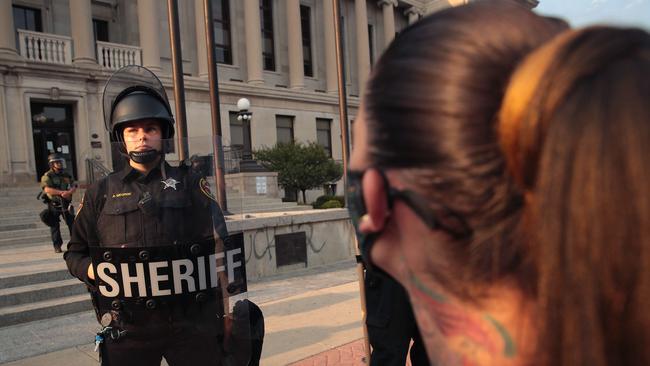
<point>329,239</point>
<point>254,184</point>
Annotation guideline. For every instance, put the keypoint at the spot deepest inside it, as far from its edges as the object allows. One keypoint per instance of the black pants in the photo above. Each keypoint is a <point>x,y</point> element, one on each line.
<point>179,346</point>
<point>391,324</point>
<point>55,230</point>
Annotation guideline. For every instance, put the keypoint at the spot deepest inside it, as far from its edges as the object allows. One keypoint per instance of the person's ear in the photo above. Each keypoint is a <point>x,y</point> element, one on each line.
<point>376,201</point>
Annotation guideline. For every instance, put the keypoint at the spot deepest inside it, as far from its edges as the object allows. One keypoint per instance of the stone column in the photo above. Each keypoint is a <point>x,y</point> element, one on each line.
<point>149,27</point>
<point>253,41</point>
<point>5,152</point>
<point>413,14</point>
<point>389,20</point>
<point>81,24</point>
<point>201,48</point>
<point>294,38</point>
<point>330,47</point>
<point>363,46</point>
<point>7,31</point>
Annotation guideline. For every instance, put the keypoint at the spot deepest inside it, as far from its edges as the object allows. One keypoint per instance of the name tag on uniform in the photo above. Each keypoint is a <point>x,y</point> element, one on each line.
<point>128,273</point>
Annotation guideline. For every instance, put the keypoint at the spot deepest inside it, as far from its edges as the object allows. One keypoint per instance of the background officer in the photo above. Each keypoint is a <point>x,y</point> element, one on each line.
<point>58,187</point>
<point>149,203</point>
<point>391,323</point>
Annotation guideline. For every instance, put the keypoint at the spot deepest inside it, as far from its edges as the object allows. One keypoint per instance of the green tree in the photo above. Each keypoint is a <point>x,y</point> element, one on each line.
<point>300,166</point>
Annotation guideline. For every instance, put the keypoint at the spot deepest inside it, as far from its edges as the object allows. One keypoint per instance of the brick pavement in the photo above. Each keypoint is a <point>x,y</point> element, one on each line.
<point>351,354</point>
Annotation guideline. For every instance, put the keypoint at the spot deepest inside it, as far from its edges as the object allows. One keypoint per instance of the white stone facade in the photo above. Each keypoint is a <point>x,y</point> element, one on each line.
<point>64,64</point>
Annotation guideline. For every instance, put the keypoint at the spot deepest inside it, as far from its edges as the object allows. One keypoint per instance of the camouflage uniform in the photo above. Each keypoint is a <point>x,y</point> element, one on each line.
<point>58,205</point>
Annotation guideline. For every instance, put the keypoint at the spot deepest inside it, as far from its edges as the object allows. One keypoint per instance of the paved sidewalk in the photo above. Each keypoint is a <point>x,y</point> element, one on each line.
<point>306,314</point>
<point>351,354</point>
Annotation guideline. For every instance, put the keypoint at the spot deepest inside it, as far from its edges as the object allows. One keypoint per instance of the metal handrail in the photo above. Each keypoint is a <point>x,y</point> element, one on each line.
<point>95,170</point>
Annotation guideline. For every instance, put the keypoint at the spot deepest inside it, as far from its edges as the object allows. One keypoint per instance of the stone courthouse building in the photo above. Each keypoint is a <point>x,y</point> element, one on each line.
<point>56,55</point>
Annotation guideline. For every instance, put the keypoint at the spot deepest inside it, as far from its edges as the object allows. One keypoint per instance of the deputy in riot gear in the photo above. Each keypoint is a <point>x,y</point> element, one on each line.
<point>58,187</point>
<point>151,213</point>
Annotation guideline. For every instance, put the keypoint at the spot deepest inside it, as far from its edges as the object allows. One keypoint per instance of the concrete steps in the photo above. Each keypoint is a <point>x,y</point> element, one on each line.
<point>44,309</point>
<point>35,284</point>
<point>17,244</point>
<point>266,208</point>
<point>40,230</point>
<point>40,292</point>
<point>253,204</point>
<point>34,239</point>
<point>30,264</point>
<point>261,203</point>
<point>29,191</point>
<point>35,277</point>
<point>19,219</point>
<point>22,199</point>
<point>18,226</point>
<point>34,281</point>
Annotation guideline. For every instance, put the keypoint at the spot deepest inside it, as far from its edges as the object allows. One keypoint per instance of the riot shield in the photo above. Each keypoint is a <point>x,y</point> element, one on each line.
<point>167,267</point>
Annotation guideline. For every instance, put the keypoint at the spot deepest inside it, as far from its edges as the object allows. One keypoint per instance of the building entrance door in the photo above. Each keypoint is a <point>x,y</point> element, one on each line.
<point>53,129</point>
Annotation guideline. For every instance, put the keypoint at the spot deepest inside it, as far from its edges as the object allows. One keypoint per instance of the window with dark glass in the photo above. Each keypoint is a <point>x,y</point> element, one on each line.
<point>100,30</point>
<point>27,18</point>
<point>371,42</point>
<point>284,128</point>
<point>305,25</point>
<point>324,134</point>
<point>221,23</point>
<point>344,49</point>
<point>268,46</point>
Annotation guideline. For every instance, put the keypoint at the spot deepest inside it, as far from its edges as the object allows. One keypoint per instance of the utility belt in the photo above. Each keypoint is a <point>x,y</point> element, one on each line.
<point>58,204</point>
<point>136,286</point>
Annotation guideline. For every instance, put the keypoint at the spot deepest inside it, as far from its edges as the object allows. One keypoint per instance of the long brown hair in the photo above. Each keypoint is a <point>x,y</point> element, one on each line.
<point>430,108</point>
<point>575,127</point>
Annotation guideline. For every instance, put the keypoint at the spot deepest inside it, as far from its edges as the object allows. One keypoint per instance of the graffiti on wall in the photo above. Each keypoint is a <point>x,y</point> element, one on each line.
<point>262,241</point>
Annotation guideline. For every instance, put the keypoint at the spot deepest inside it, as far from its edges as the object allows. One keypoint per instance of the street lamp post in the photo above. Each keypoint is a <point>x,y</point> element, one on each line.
<point>245,115</point>
<point>247,163</point>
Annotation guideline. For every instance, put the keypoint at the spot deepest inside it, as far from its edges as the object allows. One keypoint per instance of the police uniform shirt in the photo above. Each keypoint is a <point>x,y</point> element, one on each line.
<point>61,181</point>
<point>112,214</point>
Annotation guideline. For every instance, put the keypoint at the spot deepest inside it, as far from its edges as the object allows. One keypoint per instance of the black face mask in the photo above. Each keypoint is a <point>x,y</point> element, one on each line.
<point>437,217</point>
<point>144,157</point>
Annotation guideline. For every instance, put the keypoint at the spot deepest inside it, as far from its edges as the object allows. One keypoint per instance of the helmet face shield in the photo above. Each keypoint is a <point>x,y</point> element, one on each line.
<point>55,158</point>
<point>134,93</point>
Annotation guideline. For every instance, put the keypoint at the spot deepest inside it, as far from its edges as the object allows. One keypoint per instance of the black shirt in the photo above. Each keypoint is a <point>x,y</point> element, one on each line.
<point>128,209</point>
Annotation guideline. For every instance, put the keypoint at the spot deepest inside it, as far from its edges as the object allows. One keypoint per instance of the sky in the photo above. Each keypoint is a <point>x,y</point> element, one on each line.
<point>586,12</point>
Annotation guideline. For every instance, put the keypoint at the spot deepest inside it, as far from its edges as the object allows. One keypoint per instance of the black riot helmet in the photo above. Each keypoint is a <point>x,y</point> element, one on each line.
<point>54,157</point>
<point>134,93</point>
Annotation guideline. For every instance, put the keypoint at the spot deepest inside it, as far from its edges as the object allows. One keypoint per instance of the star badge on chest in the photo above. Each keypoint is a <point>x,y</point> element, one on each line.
<point>169,183</point>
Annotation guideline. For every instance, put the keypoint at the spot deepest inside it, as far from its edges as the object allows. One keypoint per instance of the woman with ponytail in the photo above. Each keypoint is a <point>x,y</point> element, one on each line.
<point>428,190</point>
<point>575,129</point>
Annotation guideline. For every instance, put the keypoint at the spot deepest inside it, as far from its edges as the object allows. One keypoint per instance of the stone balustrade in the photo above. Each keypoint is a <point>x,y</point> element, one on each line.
<point>45,47</point>
<point>115,56</point>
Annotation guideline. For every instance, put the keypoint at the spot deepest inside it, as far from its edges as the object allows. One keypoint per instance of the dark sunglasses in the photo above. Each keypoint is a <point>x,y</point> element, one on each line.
<point>436,216</point>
